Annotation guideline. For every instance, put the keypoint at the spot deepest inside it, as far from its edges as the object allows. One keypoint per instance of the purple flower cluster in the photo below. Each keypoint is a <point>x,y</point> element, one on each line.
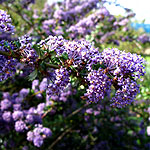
<point>5,22</point>
<point>78,52</point>
<point>11,111</point>
<point>69,11</point>
<point>68,4</point>
<point>38,135</point>
<point>116,68</point>
<point>42,87</point>
<point>16,114</point>
<point>126,92</point>
<point>60,83</point>
<point>63,96</point>
<point>7,64</point>
<point>122,22</point>
<point>26,50</point>
<point>72,13</point>
<point>39,88</point>
<point>144,38</point>
<point>85,25</point>
<point>99,85</point>
<point>49,26</point>
<point>120,63</point>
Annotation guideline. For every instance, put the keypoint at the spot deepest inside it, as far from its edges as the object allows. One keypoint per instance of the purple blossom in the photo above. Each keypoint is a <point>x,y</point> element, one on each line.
<point>24,92</point>
<point>30,136</point>
<point>5,22</point>
<point>43,85</point>
<point>60,83</point>
<point>30,118</point>
<point>20,126</point>
<point>5,104</point>
<point>35,84</point>
<point>7,65</point>
<point>26,51</point>
<point>16,107</point>
<point>99,85</point>
<point>126,92</point>
<point>47,132</point>
<point>116,68</point>
<point>7,116</point>
<point>38,141</point>
<point>40,108</point>
<point>17,115</point>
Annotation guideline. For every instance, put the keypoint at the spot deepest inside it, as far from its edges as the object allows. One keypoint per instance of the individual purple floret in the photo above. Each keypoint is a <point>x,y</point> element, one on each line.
<point>40,108</point>
<point>16,107</point>
<point>46,132</point>
<point>6,95</point>
<point>30,118</point>
<point>5,22</point>
<point>35,84</point>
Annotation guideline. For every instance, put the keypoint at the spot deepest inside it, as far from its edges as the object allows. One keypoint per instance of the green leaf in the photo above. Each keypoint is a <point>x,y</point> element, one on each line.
<point>38,50</point>
<point>97,66</point>
<point>64,56</point>
<point>17,44</point>
<point>32,75</point>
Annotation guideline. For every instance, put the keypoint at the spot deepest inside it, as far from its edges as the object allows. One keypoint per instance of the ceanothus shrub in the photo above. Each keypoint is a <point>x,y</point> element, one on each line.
<point>65,66</point>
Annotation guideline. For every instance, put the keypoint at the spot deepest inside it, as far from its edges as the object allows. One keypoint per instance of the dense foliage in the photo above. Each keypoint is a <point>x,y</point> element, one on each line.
<point>64,82</point>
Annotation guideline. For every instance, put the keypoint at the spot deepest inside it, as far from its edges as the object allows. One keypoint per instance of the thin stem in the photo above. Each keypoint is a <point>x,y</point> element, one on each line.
<point>60,137</point>
<point>8,54</point>
<point>77,110</point>
<point>52,66</point>
<point>44,115</point>
<point>5,53</point>
<point>69,129</point>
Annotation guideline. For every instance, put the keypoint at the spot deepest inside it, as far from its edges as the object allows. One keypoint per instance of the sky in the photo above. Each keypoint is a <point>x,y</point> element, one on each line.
<point>140,7</point>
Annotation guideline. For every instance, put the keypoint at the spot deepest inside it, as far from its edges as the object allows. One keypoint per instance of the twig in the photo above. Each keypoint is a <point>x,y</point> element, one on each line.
<point>60,137</point>
<point>77,110</point>
<point>52,66</point>
<point>44,115</point>
<point>8,54</point>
